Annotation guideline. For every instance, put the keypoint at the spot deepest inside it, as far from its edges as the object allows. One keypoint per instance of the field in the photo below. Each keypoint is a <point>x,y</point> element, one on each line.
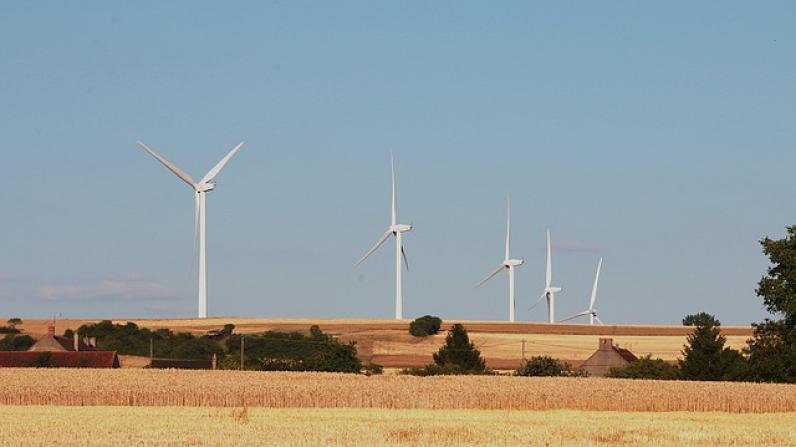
<point>388,343</point>
<point>34,425</point>
<point>82,387</point>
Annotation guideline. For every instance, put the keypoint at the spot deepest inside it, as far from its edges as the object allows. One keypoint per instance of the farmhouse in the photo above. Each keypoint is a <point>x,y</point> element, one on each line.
<point>59,359</point>
<point>55,343</point>
<point>606,357</point>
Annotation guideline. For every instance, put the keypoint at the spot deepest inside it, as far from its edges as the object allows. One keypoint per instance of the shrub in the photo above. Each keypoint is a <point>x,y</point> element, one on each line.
<point>16,342</point>
<point>546,366</point>
<point>458,351</point>
<point>424,326</point>
<point>372,369</point>
<point>646,368</point>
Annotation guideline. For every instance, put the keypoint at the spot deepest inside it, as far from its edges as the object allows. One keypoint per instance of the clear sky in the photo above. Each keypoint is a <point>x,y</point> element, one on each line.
<point>660,137</point>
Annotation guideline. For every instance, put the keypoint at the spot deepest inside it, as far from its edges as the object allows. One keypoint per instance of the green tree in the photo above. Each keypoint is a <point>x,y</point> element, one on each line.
<point>646,368</point>
<point>544,366</point>
<point>772,350</point>
<point>13,342</point>
<point>459,352</point>
<point>705,357</point>
<point>13,322</point>
<point>425,325</point>
<point>700,319</point>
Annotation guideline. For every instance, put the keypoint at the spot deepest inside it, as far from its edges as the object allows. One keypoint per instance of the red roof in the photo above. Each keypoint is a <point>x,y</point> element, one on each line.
<point>59,359</point>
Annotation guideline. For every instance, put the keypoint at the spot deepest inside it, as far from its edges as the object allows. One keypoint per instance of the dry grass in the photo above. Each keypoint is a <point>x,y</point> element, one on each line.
<point>83,387</point>
<point>387,342</point>
<point>31,426</point>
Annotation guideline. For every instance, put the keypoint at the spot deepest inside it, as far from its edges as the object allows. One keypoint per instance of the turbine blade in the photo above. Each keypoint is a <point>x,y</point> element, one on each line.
<point>598,320</point>
<point>538,301</point>
<point>177,171</point>
<point>394,216</point>
<point>218,167</point>
<point>508,229</point>
<point>596,281</point>
<point>572,317</point>
<point>491,274</point>
<point>549,270</point>
<point>403,254</point>
<point>375,246</point>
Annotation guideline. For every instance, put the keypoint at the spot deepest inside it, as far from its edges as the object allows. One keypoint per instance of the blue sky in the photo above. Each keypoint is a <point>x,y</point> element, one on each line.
<point>660,137</point>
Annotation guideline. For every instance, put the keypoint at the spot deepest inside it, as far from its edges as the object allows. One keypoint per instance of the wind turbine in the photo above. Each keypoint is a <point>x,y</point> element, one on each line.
<point>396,230</point>
<point>549,289</point>
<point>509,264</point>
<point>591,311</point>
<point>201,188</point>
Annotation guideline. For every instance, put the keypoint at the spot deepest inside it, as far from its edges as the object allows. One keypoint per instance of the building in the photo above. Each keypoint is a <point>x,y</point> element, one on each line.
<point>55,343</point>
<point>606,357</point>
<point>59,359</point>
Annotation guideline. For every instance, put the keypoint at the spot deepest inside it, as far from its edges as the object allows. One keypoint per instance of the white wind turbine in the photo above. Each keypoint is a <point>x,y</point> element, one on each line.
<point>591,311</point>
<point>396,230</point>
<point>509,264</point>
<point>549,289</point>
<point>201,188</point>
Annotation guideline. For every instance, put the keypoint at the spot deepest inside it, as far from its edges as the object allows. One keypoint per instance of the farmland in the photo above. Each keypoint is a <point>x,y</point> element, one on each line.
<point>81,387</point>
<point>388,343</point>
<point>34,425</point>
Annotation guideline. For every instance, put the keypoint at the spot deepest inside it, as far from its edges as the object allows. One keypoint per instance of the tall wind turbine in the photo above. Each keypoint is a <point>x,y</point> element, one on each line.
<point>549,289</point>
<point>396,230</point>
<point>201,188</point>
<point>509,264</point>
<point>591,311</point>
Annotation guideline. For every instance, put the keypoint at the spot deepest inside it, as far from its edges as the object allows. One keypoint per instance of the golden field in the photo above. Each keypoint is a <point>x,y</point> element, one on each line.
<point>387,342</point>
<point>127,387</point>
<point>179,426</point>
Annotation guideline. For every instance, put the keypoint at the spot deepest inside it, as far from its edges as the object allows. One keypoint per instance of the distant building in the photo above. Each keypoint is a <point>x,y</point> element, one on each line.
<point>59,359</point>
<point>183,363</point>
<point>55,343</point>
<point>606,357</point>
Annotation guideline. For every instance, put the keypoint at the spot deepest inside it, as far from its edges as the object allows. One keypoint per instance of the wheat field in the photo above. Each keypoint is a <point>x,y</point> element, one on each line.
<point>180,426</point>
<point>87,387</point>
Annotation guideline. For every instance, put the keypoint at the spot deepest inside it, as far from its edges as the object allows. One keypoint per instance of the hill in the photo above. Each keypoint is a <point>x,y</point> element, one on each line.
<point>388,342</point>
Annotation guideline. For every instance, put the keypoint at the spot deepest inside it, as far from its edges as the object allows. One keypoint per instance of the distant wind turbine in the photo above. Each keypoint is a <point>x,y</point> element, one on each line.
<point>509,264</point>
<point>549,289</point>
<point>201,188</point>
<point>591,311</point>
<point>396,230</point>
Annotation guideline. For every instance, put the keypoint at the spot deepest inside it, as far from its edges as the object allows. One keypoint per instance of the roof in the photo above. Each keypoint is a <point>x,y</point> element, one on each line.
<point>59,359</point>
<point>625,354</point>
<point>50,343</point>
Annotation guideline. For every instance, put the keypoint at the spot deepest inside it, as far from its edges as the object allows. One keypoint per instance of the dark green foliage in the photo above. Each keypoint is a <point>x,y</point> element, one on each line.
<point>646,368</point>
<point>13,342</point>
<point>424,326</point>
<point>459,352</point>
<point>14,321</point>
<point>705,357</point>
<point>129,339</point>
<point>701,319</point>
<point>772,353</point>
<point>778,288</point>
<point>294,351</point>
<point>228,329</point>
<point>545,366</point>
<point>372,369</point>
<point>9,330</point>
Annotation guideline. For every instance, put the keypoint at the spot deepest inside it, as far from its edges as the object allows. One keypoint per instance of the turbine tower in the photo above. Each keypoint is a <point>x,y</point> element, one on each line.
<point>509,264</point>
<point>396,230</point>
<point>591,311</point>
<point>549,289</point>
<point>201,188</point>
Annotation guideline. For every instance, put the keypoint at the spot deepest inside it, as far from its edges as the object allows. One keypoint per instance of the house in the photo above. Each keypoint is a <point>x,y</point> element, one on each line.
<point>606,357</point>
<point>55,343</point>
<point>59,359</point>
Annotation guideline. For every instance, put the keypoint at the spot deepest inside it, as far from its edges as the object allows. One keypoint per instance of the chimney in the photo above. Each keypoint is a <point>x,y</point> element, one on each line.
<point>51,331</point>
<point>76,339</point>
<point>606,344</point>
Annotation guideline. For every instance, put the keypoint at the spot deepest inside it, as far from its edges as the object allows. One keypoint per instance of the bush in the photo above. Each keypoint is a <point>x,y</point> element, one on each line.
<point>425,326</point>
<point>294,351</point>
<point>9,330</point>
<point>547,366</point>
<point>646,368</point>
<point>16,343</point>
<point>372,369</point>
<point>457,356</point>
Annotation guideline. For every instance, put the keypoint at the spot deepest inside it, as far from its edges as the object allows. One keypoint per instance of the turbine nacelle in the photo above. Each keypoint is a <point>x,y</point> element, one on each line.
<point>400,228</point>
<point>205,187</point>
<point>552,289</point>
<point>513,262</point>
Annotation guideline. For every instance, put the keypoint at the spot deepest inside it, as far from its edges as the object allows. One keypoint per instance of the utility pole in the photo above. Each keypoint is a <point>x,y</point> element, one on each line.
<point>151,348</point>
<point>523,349</point>
<point>241,352</point>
